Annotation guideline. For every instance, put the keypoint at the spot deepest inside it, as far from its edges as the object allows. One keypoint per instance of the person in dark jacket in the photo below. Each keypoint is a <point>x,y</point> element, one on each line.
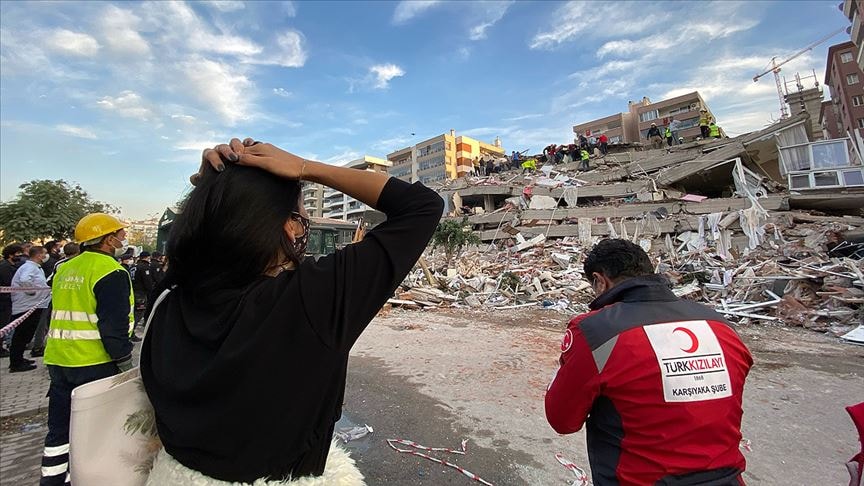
<point>658,380</point>
<point>53,248</point>
<point>142,284</point>
<point>12,259</point>
<point>267,322</point>
<point>156,267</point>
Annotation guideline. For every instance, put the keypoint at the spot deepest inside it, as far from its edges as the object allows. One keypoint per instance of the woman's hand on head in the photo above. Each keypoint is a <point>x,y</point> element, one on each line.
<point>217,157</point>
<point>251,153</point>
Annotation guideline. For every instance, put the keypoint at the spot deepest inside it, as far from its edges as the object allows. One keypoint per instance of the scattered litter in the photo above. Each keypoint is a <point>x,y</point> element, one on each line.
<point>581,476</point>
<point>353,433</point>
<point>855,336</point>
<point>415,446</point>
<point>746,445</point>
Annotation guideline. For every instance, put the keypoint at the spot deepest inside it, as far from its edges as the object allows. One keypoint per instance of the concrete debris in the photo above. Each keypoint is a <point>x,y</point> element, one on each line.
<point>715,216</point>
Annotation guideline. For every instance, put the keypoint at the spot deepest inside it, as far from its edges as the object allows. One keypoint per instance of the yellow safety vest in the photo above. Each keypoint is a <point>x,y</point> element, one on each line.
<point>73,338</point>
<point>668,132</point>
<point>715,131</point>
<point>529,164</point>
<point>584,155</point>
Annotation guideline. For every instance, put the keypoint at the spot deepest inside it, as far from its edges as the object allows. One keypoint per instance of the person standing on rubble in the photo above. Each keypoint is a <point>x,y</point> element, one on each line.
<point>268,322</point>
<point>675,126</point>
<point>529,166</point>
<point>704,121</point>
<point>604,144</point>
<point>657,380</point>
<point>654,137</point>
<point>668,133</point>
<point>713,130</point>
<point>584,160</point>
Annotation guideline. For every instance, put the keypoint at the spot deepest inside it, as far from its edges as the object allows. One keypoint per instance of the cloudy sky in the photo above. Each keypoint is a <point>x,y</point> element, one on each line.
<point>122,97</point>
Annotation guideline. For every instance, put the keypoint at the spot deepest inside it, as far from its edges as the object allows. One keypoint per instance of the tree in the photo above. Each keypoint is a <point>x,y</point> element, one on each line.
<point>453,236</point>
<point>46,209</point>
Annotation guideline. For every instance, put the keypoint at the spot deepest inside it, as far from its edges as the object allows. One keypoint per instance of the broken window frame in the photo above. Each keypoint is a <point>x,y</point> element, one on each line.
<point>839,174</point>
<point>788,166</point>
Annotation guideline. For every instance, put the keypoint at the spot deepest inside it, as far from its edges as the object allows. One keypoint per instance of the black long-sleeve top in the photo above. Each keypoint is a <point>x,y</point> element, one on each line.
<point>252,386</point>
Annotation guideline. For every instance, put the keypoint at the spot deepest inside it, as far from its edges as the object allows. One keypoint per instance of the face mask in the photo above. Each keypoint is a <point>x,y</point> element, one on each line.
<point>301,241</point>
<point>45,258</point>
<point>124,245</point>
<point>19,260</point>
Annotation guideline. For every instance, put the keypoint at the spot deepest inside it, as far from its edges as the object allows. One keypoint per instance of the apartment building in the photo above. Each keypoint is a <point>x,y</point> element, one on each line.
<point>632,126</point>
<point>845,79</point>
<point>854,11</point>
<point>336,205</point>
<point>313,199</point>
<point>446,156</point>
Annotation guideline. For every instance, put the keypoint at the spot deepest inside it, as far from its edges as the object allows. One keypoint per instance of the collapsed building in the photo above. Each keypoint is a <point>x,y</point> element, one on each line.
<point>767,226</point>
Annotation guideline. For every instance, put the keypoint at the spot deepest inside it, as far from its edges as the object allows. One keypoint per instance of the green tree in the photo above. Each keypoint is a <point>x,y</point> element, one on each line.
<point>46,209</point>
<point>453,235</point>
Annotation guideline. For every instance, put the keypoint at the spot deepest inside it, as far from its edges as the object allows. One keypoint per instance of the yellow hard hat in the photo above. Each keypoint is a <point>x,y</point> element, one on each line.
<point>95,225</point>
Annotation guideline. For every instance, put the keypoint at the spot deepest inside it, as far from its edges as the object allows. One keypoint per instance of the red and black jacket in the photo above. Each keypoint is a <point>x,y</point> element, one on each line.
<point>658,381</point>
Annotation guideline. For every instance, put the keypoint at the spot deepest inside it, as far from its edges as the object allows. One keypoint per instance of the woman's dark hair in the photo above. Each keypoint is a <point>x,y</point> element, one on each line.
<point>617,258</point>
<point>230,229</point>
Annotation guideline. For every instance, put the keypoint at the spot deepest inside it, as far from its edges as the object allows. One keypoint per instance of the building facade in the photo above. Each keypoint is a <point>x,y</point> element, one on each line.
<point>829,121</point>
<point>844,78</point>
<point>313,199</point>
<point>633,125</point>
<point>854,11</point>
<point>446,156</point>
<point>336,205</point>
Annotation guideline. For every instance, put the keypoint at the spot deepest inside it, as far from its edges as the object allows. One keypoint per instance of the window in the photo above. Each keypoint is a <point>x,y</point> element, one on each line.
<point>845,57</point>
<point>827,155</point>
<point>649,115</point>
<point>852,78</point>
<point>853,177</point>
<point>857,100</point>
<point>861,123</point>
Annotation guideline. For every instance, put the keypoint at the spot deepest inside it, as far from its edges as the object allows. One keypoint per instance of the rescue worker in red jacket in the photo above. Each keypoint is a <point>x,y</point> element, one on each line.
<point>657,380</point>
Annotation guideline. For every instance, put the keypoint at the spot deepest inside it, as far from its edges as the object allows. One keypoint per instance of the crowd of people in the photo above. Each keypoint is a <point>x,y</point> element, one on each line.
<point>28,266</point>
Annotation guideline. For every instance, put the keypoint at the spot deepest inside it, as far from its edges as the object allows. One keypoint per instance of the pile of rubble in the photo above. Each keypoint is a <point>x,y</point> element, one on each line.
<point>715,216</point>
<point>801,277</point>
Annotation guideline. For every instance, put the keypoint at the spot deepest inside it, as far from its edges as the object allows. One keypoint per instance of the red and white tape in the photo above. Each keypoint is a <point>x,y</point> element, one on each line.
<point>461,451</point>
<point>9,290</point>
<point>12,325</point>
<point>581,475</point>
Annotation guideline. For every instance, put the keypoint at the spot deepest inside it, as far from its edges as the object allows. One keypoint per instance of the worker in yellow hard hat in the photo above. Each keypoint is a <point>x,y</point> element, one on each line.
<point>89,335</point>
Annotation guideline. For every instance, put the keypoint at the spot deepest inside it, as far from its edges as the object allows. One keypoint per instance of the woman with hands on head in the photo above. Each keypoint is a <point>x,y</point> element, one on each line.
<point>246,357</point>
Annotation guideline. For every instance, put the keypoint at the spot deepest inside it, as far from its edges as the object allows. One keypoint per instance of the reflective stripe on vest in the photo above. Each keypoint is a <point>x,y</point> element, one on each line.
<point>73,337</point>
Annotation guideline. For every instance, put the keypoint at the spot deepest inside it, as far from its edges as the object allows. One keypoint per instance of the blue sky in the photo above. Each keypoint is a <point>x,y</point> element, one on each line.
<point>122,97</point>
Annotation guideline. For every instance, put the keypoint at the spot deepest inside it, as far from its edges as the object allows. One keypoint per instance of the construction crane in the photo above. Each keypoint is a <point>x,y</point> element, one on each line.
<point>775,68</point>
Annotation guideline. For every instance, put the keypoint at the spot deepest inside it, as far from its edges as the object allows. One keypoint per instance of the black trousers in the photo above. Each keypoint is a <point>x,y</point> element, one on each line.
<point>705,131</point>
<point>55,458</point>
<point>23,334</point>
<point>42,329</point>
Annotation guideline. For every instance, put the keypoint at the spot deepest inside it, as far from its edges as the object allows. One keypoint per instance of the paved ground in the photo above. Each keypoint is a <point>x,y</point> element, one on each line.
<point>439,377</point>
<point>23,392</point>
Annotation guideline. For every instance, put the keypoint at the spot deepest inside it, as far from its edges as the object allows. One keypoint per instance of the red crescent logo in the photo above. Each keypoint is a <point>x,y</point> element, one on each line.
<point>567,341</point>
<point>694,342</point>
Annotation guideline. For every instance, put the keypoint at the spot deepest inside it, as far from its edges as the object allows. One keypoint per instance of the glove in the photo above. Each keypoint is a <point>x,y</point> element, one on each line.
<point>125,364</point>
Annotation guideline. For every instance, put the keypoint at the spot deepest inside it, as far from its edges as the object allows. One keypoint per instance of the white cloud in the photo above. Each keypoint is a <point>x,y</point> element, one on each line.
<point>390,144</point>
<point>282,92</point>
<point>289,51</point>
<point>463,53</point>
<point>524,117</point>
<point>72,43</point>
<point>289,9</point>
<point>220,87</point>
<point>120,32</point>
<point>342,158</point>
<point>80,132</point>
<point>495,12</point>
<point>226,5</point>
<point>197,145</point>
<point>688,35</point>
<point>128,104</point>
<point>383,73</point>
<point>182,27</point>
<point>408,9</point>
<point>184,118</point>
<point>578,18</point>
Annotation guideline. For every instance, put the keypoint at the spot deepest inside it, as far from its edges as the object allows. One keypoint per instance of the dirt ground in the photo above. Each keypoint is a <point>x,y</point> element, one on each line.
<point>436,377</point>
